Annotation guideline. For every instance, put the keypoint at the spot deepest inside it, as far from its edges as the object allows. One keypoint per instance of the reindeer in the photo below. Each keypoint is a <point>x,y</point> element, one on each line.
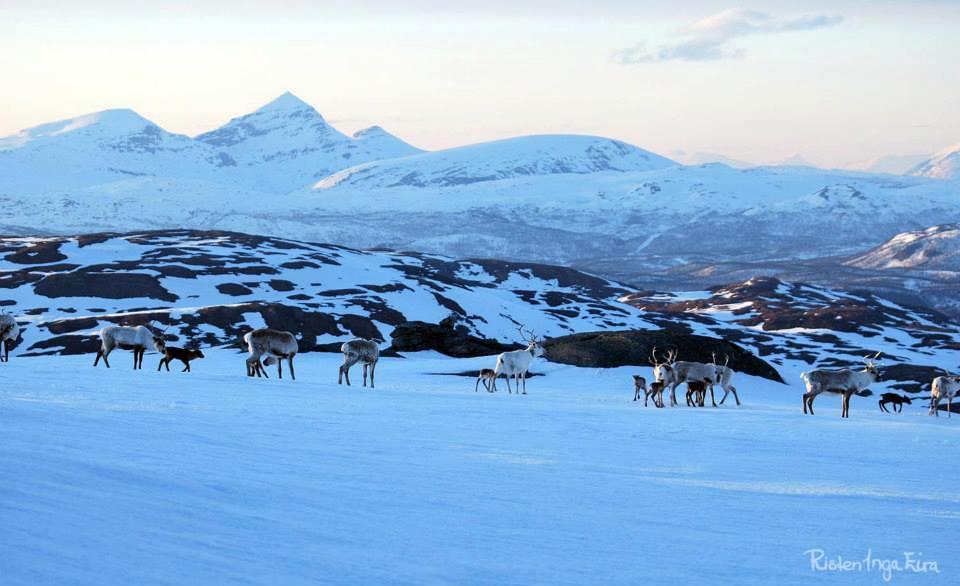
<point>9,332</point>
<point>845,382</point>
<point>673,373</point>
<point>639,384</point>
<point>517,362</point>
<point>895,399</point>
<point>943,387</point>
<point>276,344</point>
<point>485,376</point>
<point>366,352</point>
<point>171,353</point>
<point>697,392</point>
<point>722,378</point>
<point>137,338</point>
<point>656,392</point>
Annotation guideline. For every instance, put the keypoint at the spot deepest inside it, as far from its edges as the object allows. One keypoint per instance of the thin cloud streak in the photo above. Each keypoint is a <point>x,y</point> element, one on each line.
<point>712,38</point>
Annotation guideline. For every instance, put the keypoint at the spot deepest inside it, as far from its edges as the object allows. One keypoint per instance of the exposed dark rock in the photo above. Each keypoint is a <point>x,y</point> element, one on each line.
<point>66,326</point>
<point>233,289</point>
<point>416,336</point>
<point>43,252</point>
<point>633,348</point>
<point>107,285</point>
<point>281,285</point>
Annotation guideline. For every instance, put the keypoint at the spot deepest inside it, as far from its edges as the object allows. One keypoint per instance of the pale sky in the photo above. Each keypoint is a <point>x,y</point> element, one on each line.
<point>838,82</point>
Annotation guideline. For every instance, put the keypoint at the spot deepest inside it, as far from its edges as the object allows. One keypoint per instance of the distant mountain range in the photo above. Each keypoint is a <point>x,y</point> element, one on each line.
<point>596,203</point>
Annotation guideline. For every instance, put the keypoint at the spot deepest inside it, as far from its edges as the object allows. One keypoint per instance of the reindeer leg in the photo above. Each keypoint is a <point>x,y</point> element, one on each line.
<point>280,368</point>
<point>949,404</point>
<point>712,398</point>
<point>293,375</point>
<point>373,369</point>
<point>523,377</point>
<point>365,374</point>
<point>97,359</point>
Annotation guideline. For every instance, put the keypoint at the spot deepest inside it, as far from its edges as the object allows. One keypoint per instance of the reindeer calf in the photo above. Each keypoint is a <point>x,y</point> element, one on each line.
<point>697,392</point>
<point>895,399</point>
<point>656,392</point>
<point>171,353</point>
<point>485,376</point>
<point>639,384</point>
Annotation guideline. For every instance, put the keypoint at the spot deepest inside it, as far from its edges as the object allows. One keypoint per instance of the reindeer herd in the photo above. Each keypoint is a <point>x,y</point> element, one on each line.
<point>267,346</point>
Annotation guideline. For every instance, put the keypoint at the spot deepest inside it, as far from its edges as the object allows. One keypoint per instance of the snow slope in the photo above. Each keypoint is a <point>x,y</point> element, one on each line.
<point>935,249</point>
<point>943,165</point>
<point>122,477</point>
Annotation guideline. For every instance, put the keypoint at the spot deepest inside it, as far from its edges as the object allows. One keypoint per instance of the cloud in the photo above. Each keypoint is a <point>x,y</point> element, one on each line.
<point>712,38</point>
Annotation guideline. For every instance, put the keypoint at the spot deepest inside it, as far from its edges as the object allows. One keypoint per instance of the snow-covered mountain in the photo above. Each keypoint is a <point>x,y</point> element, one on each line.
<point>501,159</point>
<point>98,149</point>
<point>892,164</point>
<point>943,165</point>
<point>595,203</point>
<point>934,249</point>
<point>705,158</point>
<point>287,144</point>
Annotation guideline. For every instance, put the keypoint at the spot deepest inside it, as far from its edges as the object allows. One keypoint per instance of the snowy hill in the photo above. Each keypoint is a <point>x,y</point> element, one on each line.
<point>287,144</point>
<point>935,249</point>
<point>209,287</point>
<point>501,159</point>
<point>943,165</point>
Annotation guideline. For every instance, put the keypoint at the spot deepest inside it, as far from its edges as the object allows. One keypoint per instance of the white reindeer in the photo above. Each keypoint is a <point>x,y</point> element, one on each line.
<point>724,374</point>
<point>845,382</point>
<point>136,338</point>
<point>943,387</point>
<point>276,344</point>
<point>517,362</point>
<point>9,332</point>
<point>366,352</point>
<point>674,373</point>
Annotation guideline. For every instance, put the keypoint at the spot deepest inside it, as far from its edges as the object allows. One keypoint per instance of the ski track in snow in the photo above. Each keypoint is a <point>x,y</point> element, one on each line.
<point>122,477</point>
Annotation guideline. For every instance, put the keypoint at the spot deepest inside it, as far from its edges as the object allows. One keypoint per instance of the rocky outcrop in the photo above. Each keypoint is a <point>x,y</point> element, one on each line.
<point>633,348</point>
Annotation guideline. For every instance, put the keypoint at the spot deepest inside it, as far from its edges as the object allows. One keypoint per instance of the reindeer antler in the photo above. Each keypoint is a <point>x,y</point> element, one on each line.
<point>653,357</point>
<point>527,335</point>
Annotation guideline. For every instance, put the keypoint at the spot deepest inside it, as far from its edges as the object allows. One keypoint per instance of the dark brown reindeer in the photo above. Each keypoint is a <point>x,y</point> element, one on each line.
<point>485,376</point>
<point>697,392</point>
<point>639,384</point>
<point>895,399</point>
<point>171,353</point>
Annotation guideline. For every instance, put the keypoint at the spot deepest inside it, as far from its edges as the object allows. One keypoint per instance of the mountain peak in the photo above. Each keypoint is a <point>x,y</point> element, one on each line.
<point>111,122</point>
<point>286,102</point>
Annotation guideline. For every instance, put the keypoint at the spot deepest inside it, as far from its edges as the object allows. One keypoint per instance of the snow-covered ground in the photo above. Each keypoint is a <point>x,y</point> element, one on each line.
<point>123,477</point>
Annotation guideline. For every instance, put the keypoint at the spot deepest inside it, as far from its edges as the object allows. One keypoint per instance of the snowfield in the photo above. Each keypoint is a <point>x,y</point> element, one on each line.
<point>122,477</point>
